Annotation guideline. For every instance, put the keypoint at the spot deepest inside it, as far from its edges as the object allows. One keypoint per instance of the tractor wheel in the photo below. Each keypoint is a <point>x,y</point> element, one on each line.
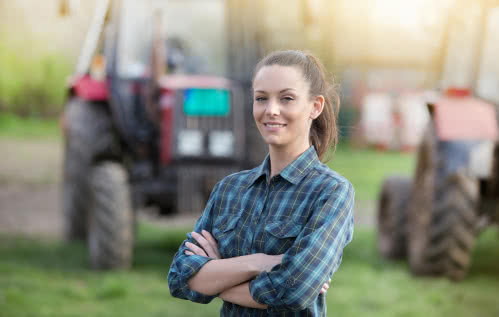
<point>111,218</point>
<point>89,133</point>
<point>452,229</point>
<point>442,217</point>
<point>421,202</point>
<point>392,217</point>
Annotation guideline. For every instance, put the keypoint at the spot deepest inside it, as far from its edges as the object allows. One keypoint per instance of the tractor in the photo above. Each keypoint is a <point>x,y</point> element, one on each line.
<point>434,218</point>
<point>137,136</point>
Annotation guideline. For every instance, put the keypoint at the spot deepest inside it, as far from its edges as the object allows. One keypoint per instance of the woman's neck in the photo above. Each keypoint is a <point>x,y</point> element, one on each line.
<point>280,157</point>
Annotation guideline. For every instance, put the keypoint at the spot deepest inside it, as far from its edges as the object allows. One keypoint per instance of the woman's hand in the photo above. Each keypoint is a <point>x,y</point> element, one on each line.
<point>325,287</point>
<point>209,246</point>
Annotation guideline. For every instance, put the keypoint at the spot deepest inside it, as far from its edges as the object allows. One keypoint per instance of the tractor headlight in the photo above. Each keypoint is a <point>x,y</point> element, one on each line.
<point>221,143</point>
<point>190,142</point>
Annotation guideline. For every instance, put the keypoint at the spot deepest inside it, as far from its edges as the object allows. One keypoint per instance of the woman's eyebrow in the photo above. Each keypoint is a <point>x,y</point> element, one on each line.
<point>287,89</point>
<point>284,90</point>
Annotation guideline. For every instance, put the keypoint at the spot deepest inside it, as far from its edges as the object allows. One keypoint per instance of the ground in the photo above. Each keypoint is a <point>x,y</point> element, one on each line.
<point>30,190</point>
<point>30,171</point>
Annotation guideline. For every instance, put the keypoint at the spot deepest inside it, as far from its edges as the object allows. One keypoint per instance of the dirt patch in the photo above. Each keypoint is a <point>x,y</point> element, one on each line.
<point>30,161</point>
<point>30,210</point>
<point>30,172</point>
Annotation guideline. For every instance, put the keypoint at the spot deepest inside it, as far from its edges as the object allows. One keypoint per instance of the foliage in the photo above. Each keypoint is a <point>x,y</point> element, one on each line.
<point>31,84</point>
<point>43,277</point>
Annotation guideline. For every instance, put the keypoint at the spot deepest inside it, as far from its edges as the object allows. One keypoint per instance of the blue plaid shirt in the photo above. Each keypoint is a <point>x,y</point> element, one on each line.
<point>305,212</point>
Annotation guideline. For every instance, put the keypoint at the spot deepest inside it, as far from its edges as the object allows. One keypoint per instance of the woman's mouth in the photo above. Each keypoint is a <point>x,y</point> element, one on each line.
<point>274,125</point>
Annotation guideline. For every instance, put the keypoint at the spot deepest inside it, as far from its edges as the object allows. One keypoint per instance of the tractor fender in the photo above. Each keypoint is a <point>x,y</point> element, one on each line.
<point>464,118</point>
<point>89,89</point>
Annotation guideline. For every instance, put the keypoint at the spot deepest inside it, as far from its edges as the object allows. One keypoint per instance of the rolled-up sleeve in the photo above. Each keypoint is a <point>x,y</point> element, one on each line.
<point>314,256</point>
<point>185,266</point>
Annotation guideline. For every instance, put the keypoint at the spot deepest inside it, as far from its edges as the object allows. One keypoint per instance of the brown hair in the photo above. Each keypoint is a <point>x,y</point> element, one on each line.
<point>323,132</point>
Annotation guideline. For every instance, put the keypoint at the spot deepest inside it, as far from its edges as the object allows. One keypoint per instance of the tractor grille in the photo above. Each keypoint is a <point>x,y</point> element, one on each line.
<point>208,136</point>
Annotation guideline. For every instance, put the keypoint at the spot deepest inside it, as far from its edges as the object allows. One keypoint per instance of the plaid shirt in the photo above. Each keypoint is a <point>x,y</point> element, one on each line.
<point>305,212</point>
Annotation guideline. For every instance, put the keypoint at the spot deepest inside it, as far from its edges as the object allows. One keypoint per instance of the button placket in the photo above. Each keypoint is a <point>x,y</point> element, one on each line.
<point>257,217</point>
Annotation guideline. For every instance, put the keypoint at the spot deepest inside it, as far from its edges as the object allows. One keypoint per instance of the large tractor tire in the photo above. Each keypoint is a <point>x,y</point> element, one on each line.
<point>453,226</point>
<point>442,217</point>
<point>446,241</point>
<point>421,203</point>
<point>88,134</point>
<point>392,217</point>
<point>111,218</point>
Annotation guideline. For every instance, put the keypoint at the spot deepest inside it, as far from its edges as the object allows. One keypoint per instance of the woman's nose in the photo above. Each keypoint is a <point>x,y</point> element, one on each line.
<point>272,108</point>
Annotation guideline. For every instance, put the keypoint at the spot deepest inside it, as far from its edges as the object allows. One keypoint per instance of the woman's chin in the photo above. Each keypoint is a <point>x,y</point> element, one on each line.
<point>272,140</point>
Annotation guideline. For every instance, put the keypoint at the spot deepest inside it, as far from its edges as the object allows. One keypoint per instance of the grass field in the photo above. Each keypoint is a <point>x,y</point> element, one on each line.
<point>12,126</point>
<point>49,278</point>
<point>367,168</point>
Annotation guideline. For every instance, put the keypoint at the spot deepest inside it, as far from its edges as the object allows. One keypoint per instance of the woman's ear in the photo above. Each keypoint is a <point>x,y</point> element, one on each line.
<point>318,106</point>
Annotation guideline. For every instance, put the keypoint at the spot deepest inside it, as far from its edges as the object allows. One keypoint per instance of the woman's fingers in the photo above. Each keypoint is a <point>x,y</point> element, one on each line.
<point>212,242</point>
<point>188,252</point>
<point>207,247</point>
<point>325,287</point>
<point>194,248</point>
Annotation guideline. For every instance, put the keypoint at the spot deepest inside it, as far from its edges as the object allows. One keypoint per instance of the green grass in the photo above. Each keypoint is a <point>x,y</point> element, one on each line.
<point>48,278</point>
<point>13,126</point>
<point>366,168</point>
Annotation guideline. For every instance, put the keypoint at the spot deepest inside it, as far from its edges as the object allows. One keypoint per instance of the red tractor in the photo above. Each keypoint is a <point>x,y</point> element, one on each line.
<point>434,219</point>
<point>135,136</point>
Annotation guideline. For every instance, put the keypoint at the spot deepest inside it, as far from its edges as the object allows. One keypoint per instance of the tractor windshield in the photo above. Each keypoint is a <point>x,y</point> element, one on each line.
<point>193,31</point>
<point>135,39</point>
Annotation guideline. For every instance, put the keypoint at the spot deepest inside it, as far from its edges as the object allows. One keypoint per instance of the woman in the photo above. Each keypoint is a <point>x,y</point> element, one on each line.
<point>270,238</point>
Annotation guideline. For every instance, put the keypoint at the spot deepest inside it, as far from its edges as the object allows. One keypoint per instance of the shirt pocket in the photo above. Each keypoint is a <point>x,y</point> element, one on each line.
<point>228,239</point>
<point>280,236</point>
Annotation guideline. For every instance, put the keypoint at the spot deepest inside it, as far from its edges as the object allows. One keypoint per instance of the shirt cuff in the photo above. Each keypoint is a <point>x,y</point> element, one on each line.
<point>263,291</point>
<point>190,266</point>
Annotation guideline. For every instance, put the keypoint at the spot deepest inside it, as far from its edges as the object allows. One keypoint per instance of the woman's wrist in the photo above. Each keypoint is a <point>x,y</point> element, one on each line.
<point>253,263</point>
<point>260,262</point>
<point>240,295</point>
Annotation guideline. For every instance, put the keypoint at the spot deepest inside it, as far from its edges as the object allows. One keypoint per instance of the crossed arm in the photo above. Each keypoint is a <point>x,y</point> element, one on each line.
<point>229,277</point>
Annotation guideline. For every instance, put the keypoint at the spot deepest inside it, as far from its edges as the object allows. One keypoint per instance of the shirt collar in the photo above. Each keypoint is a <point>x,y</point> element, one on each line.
<point>300,167</point>
<point>262,169</point>
<point>295,171</point>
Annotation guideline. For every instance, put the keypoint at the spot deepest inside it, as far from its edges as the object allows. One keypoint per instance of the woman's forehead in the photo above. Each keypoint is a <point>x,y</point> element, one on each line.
<point>276,78</point>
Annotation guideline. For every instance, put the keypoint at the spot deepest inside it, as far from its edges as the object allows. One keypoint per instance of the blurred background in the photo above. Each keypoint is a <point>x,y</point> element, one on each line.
<point>118,117</point>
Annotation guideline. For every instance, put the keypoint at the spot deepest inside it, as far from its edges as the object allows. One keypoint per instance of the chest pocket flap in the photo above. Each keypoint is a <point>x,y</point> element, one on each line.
<point>283,229</point>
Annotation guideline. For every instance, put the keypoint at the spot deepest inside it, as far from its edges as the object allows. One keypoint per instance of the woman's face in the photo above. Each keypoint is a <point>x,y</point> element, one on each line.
<point>282,108</point>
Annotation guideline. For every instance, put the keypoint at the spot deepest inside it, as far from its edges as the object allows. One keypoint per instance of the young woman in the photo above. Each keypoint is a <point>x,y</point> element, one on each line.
<point>270,238</point>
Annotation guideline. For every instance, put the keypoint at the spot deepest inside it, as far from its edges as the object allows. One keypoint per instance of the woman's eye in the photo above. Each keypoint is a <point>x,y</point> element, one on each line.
<point>287,99</point>
<point>260,99</point>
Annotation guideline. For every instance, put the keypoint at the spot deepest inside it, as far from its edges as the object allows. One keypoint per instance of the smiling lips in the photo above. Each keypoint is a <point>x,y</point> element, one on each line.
<point>274,125</point>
